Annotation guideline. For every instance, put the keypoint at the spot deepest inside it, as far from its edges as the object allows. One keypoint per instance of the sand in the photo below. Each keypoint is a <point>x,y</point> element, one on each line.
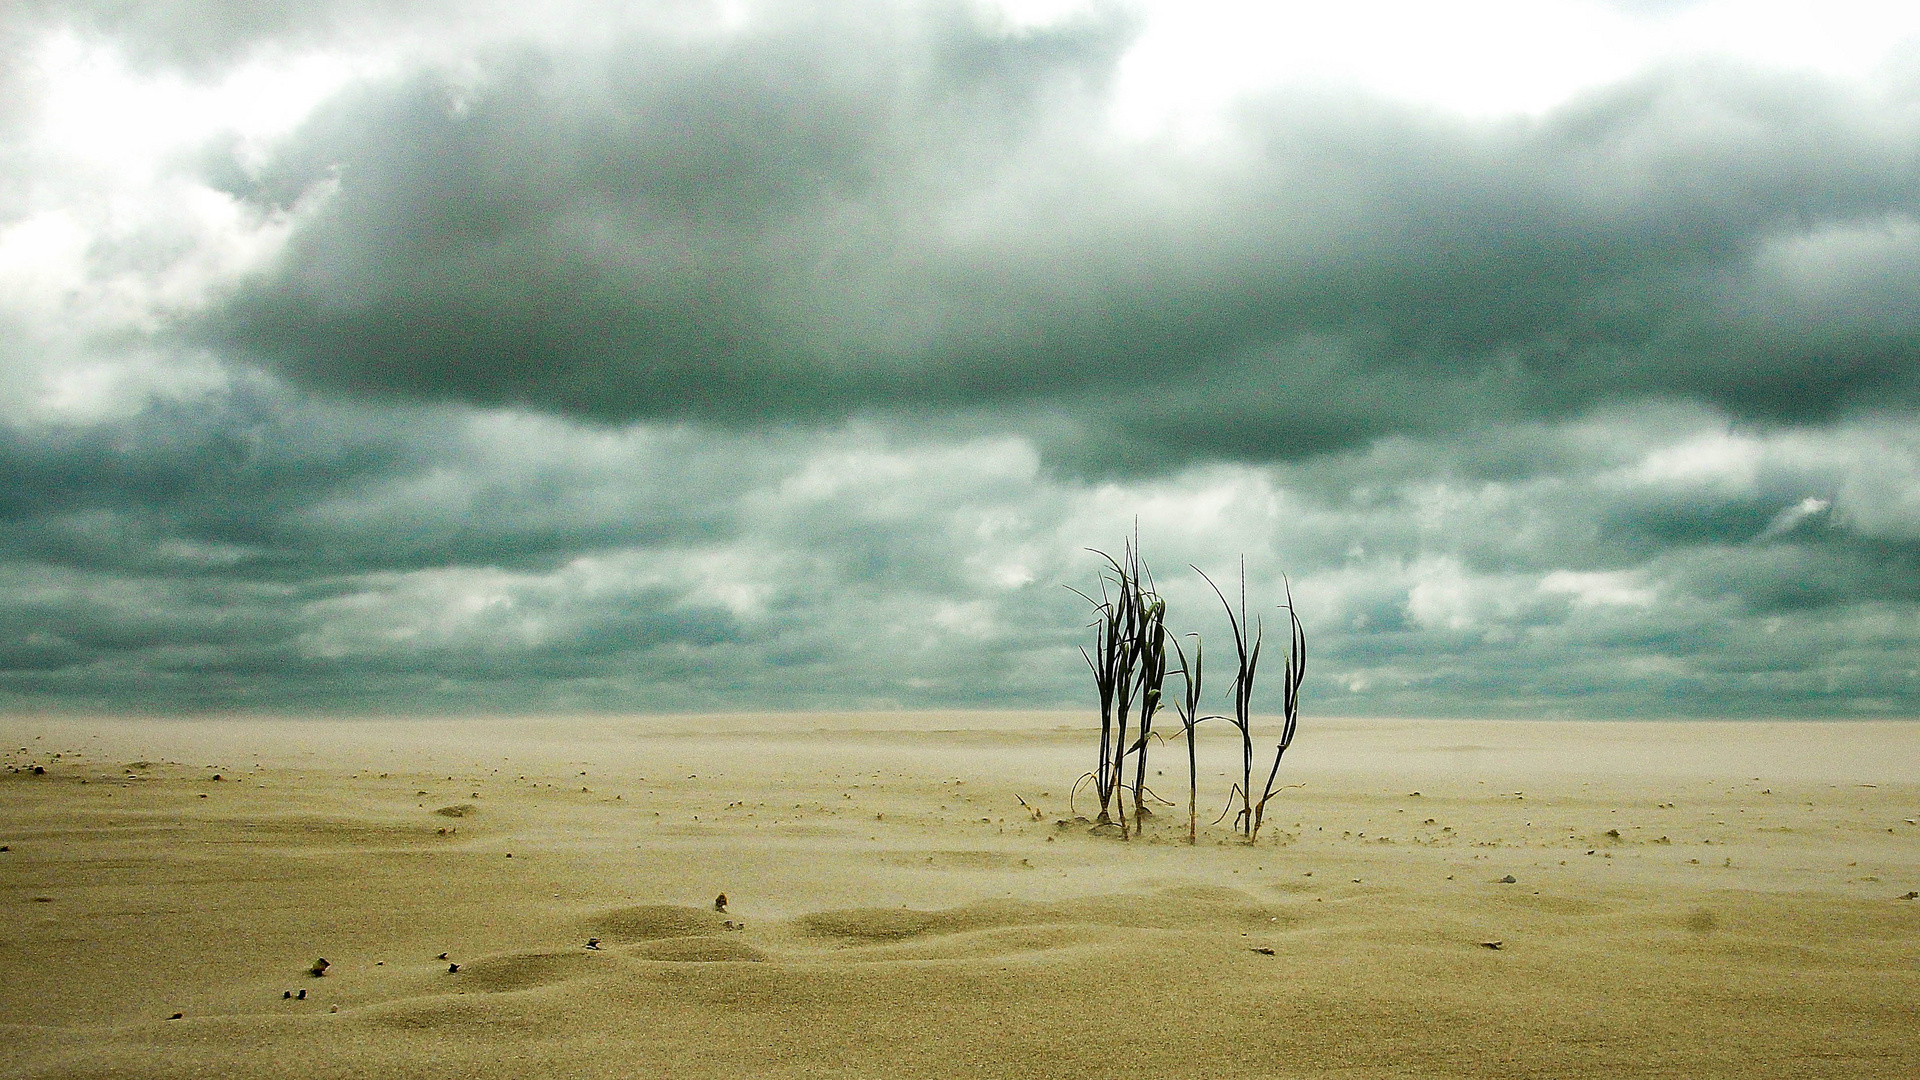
<point>1688,900</point>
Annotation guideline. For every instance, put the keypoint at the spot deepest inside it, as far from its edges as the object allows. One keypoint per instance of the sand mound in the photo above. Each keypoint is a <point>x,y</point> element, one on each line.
<point>1182,908</point>
<point>650,922</point>
<point>304,831</point>
<point>697,950</point>
<point>962,860</point>
<point>524,971</point>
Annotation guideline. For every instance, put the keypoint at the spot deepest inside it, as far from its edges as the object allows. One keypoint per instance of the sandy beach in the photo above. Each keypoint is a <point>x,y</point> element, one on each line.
<point>909,895</point>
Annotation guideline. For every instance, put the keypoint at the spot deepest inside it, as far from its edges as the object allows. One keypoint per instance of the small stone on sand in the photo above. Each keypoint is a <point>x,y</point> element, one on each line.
<point>593,943</point>
<point>1508,880</point>
<point>319,967</point>
<point>1494,945</point>
<point>453,969</point>
<point>720,903</point>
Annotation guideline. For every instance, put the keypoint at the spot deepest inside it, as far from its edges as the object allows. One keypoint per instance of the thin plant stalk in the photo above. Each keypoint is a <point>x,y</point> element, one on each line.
<point>1247,639</point>
<point>1188,707</point>
<point>1152,652</point>
<point>1296,670</point>
<point>1104,661</point>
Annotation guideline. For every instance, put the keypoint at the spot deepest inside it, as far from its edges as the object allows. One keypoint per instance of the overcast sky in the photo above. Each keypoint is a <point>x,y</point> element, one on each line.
<point>388,357</point>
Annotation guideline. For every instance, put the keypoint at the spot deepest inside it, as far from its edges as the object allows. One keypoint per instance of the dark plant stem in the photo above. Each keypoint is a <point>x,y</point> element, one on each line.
<point>1247,638</point>
<point>1188,707</point>
<point>1296,670</point>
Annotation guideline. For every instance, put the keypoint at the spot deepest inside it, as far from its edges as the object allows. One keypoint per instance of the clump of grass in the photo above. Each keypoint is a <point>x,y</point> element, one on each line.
<point>1129,664</point>
<point>1248,637</point>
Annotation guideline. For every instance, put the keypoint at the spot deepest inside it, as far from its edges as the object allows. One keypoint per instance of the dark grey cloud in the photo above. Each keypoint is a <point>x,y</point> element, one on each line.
<point>267,484</point>
<point>872,212</point>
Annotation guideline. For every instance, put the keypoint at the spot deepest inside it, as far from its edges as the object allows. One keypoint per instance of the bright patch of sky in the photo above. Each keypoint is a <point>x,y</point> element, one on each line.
<point>1483,58</point>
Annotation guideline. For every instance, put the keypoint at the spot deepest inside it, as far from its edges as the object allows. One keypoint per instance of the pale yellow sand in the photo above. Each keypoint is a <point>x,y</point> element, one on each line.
<point>1691,900</point>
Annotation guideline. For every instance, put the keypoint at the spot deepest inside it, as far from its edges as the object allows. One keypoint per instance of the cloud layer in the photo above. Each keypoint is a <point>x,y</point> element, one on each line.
<point>792,356</point>
<point>900,213</point>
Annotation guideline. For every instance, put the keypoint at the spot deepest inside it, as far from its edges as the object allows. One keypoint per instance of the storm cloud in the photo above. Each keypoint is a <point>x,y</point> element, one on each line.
<point>902,212</point>
<point>548,357</point>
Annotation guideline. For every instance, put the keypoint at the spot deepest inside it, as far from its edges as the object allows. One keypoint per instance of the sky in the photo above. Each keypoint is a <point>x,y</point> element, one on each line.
<point>1562,357</point>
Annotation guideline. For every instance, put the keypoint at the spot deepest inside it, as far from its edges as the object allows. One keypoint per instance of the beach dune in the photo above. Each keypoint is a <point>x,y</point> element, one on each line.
<point>911,895</point>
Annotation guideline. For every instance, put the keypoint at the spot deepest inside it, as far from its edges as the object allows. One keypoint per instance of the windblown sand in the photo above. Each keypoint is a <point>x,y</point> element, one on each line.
<point>1688,900</point>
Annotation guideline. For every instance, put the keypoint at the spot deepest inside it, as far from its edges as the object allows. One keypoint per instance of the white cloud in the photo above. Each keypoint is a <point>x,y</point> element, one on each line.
<point>1718,460</point>
<point>1600,588</point>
